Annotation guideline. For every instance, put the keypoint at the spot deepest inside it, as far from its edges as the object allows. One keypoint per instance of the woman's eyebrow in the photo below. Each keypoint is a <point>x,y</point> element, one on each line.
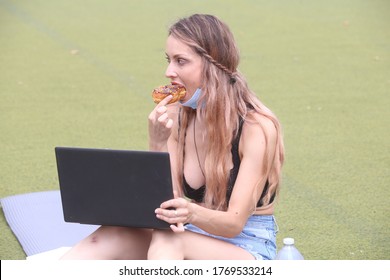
<point>177,55</point>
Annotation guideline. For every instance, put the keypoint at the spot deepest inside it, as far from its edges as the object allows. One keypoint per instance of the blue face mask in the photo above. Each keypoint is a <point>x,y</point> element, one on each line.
<point>193,102</point>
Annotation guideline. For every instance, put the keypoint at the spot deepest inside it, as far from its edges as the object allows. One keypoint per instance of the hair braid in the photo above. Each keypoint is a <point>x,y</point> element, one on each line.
<point>204,53</point>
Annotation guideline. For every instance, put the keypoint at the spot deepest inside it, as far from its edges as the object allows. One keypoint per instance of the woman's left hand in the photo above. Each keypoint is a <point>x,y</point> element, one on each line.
<point>175,212</point>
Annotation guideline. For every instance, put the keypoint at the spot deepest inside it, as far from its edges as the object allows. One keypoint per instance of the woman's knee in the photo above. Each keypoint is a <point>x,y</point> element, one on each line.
<point>131,240</point>
<point>109,242</point>
<point>110,234</point>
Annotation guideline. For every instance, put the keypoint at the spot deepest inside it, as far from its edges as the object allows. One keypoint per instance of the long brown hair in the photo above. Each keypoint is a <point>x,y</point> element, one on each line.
<point>228,99</point>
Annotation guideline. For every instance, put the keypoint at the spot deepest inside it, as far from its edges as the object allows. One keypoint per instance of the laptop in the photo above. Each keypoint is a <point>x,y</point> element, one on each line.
<point>113,187</point>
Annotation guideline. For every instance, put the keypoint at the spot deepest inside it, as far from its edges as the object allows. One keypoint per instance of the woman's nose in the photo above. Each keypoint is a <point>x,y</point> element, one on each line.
<point>170,71</point>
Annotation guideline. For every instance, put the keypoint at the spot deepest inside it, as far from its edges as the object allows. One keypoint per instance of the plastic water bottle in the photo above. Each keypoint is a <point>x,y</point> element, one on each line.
<point>289,251</point>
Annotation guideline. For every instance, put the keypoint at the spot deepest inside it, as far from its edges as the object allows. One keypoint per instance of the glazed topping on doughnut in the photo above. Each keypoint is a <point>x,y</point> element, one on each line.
<point>178,92</point>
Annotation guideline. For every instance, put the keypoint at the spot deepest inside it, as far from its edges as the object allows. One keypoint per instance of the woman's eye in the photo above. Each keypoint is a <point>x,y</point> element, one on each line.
<point>181,61</point>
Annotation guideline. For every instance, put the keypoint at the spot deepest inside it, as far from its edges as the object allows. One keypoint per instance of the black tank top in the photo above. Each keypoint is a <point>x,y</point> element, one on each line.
<point>198,194</point>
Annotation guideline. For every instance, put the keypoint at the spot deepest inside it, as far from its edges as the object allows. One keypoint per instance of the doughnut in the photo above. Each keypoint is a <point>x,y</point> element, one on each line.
<point>178,92</point>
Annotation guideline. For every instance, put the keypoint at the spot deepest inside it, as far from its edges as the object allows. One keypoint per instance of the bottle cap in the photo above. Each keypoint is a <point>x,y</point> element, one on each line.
<point>288,241</point>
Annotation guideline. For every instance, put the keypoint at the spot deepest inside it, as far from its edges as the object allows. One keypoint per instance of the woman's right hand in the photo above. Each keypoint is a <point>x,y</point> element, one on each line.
<point>176,212</point>
<point>160,126</point>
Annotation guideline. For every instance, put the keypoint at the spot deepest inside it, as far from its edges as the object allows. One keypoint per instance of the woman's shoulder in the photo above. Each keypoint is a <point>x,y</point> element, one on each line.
<point>258,128</point>
<point>257,133</point>
<point>255,121</point>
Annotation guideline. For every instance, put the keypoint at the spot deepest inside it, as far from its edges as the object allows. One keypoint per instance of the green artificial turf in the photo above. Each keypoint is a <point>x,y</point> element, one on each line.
<point>80,74</point>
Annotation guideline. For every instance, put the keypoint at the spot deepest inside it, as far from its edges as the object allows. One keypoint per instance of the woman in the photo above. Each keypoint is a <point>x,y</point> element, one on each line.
<point>226,153</point>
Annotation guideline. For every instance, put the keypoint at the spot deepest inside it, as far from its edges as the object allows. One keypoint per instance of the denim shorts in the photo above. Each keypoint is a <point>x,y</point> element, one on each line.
<point>258,236</point>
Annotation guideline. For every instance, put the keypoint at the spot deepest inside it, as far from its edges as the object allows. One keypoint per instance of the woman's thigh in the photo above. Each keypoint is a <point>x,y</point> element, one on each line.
<point>201,247</point>
<point>193,246</point>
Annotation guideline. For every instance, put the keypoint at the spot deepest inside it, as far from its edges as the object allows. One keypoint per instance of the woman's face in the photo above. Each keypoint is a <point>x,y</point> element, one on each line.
<point>184,66</point>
